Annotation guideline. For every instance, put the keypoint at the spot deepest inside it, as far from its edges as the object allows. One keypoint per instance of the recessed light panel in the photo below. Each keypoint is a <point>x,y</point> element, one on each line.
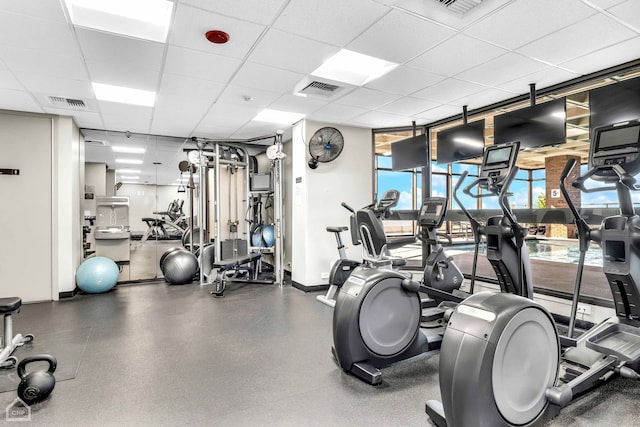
<point>124,95</point>
<point>129,161</point>
<point>144,19</point>
<point>131,171</point>
<point>128,150</point>
<point>353,68</point>
<point>277,116</point>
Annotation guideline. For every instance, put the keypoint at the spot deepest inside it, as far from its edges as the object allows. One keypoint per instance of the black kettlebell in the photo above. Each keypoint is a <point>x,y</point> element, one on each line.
<point>36,386</point>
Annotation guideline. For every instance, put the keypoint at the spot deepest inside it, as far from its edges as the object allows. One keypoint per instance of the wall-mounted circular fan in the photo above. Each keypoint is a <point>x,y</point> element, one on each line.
<point>325,145</point>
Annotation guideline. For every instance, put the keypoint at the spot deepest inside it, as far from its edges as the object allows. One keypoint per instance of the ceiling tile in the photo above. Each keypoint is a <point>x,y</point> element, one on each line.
<point>388,38</point>
<point>132,124</point>
<point>448,90</point>
<point>482,98</point>
<point>457,54</point>
<point>45,63</point>
<point>259,11</point>
<point>367,98</point>
<point>439,113</point>
<point>7,80</point>
<point>256,129</point>
<point>378,119</point>
<point>335,22</point>
<point>23,32</point>
<point>442,14</point>
<point>54,86</point>
<point>297,104</point>
<point>123,75</point>
<point>85,119</point>
<point>227,117</point>
<point>262,77</point>
<point>542,79</point>
<point>189,88</point>
<point>408,106</point>
<point>106,47</point>
<point>259,98</point>
<point>608,57</point>
<point>605,4</point>
<point>190,26</point>
<point>201,65</point>
<point>181,108</point>
<point>579,39</point>
<point>18,100</point>
<point>336,113</point>
<point>628,12</point>
<point>48,10</point>
<point>523,21</point>
<point>404,80</point>
<point>290,52</point>
<point>124,110</point>
<point>502,69</point>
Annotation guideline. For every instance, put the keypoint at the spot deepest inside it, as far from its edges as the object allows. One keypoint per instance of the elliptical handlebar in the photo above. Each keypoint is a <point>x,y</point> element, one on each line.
<point>347,207</point>
<point>503,196</point>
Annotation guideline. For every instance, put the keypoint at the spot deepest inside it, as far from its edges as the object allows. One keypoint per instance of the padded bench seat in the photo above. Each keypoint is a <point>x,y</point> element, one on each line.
<point>9,305</point>
<point>237,261</point>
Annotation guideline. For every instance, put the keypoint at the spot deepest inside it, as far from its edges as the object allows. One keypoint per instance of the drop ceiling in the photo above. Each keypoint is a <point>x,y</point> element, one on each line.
<point>447,60</point>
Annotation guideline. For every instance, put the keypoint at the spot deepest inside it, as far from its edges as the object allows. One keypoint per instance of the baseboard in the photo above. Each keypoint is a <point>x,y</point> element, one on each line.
<point>309,288</point>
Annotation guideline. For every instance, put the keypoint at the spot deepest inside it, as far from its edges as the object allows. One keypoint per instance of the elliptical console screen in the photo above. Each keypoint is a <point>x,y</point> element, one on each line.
<point>432,211</point>
<point>498,161</point>
<point>616,145</point>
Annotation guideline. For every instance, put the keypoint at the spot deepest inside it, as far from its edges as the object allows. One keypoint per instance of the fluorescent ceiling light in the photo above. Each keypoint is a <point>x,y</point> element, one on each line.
<point>129,177</point>
<point>130,182</point>
<point>129,161</point>
<point>128,150</point>
<point>353,68</point>
<point>144,19</point>
<point>277,116</point>
<point>124,95</point>
<point>131,171</point>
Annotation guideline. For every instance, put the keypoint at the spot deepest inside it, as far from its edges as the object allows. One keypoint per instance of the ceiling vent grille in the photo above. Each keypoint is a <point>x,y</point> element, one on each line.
<point>459,6</point>
<point>317,88</point>
<point>67,103</point>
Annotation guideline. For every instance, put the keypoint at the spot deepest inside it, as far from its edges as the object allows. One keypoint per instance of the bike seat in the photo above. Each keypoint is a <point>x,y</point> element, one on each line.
<point>336,229</point>
<point>9,305</point>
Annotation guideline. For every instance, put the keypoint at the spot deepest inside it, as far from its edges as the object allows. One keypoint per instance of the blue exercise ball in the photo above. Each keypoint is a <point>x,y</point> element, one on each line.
<point>97,274</point>
<point>268,235</point>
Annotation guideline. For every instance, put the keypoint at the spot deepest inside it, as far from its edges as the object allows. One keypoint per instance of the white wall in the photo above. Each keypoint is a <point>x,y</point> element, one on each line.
<point>317,196</point>
<point>41,227</point>
<point>68,215</point>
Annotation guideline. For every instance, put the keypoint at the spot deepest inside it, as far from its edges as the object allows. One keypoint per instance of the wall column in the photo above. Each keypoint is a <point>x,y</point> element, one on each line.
<point>554,167</point>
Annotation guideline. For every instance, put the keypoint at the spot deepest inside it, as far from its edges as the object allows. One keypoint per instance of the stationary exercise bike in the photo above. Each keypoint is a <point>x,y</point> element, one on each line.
<point>342,268</point>
<point>440,272</point>
<point>502,362</point>
<point>377,319</point>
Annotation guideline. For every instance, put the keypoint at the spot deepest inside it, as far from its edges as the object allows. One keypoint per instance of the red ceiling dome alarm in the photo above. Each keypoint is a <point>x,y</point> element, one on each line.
<point>217,36</point>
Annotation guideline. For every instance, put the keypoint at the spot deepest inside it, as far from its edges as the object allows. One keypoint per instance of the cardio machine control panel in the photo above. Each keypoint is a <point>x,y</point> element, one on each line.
<point>497,162</point>
<point>617,144</point>
<point>432,212</point>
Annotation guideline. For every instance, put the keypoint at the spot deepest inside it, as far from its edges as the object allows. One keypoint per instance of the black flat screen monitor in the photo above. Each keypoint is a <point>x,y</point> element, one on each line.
<point>462,142</point>
<point>615,103</point>
<point>409,153</point>
<point>535,126</point>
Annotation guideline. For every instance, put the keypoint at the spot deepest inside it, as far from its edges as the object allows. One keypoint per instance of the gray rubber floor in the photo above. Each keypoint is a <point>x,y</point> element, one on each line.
<point>162,355</point>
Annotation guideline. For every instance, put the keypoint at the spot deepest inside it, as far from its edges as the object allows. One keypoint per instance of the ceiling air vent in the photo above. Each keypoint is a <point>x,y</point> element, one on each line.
<point>95,143</point>
<point>459,6</point>
<point>67,103</point>
<point>317,88</point>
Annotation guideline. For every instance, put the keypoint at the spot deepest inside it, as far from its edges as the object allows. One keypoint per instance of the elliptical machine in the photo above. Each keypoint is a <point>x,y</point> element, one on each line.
<point>343,266</point>
<point>491,336</point>
<point>440,272</point>
<point>378,312</point>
